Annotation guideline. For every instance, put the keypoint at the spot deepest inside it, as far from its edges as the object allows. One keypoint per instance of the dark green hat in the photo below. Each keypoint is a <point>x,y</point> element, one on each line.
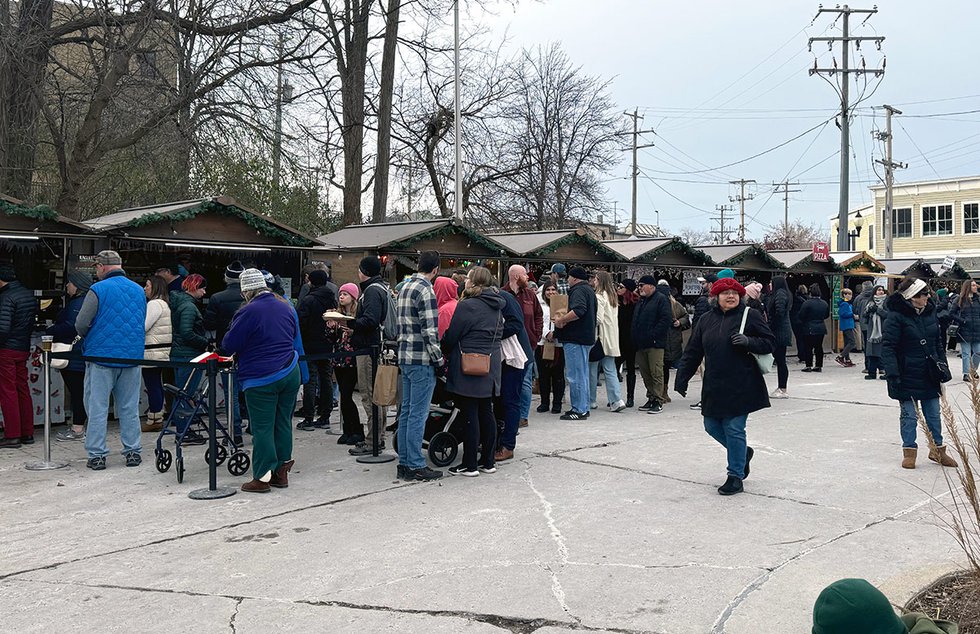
<point>854,606</point>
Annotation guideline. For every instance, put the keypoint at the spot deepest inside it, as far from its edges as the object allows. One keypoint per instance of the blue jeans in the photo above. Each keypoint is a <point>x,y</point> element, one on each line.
<point>577,376</point>
<point>527,388</point>
<point>909,419</point>
<point>153,380</point>
<point>971,356</point>
<point>511,383</point>
<point>614,392</point>
<point>123,384</point>
<point>236,410</point>
<point>418,383</point>
<point>730,432</point>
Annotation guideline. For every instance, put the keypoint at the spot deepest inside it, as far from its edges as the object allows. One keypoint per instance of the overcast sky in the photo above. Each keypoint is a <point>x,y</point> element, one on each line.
<point>722,81</point>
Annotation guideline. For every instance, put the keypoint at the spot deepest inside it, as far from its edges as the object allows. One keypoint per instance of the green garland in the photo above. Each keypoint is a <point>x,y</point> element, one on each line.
<point>573,237</point>
<point>754,250</point>
<point>40,212</point>
<point>447,229</point>
<point>259,224</point>
<point>866,262</point>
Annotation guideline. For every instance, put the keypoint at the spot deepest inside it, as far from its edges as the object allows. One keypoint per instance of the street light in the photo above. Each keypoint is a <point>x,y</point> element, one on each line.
<point>853,235</point>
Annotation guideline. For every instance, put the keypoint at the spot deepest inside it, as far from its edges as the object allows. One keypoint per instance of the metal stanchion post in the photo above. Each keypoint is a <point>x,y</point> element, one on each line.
<point>46,464</point>
<point>213,491</point>
<point>377,455</point>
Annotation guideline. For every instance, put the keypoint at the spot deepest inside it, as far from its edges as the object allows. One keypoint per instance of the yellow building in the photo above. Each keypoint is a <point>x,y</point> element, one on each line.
<point>861,229</point>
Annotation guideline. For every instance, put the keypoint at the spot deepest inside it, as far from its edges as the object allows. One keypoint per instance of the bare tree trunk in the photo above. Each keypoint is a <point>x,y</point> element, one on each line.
<point>24,74</point>
<point>384,112</point>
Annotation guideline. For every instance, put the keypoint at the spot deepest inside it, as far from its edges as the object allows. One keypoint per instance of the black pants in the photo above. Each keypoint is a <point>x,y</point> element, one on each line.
<point>813,347</point>
<point>782,370</point>
<point>800,343</point>
<point>628,361</point>
<point>849,343</point>
<point>318,390</point>
<point>551,379</point>
<point>874,367</point>
<point>864,339</point>
<point>346,381</point>
<point>75,382</point>
<point>480,432</point>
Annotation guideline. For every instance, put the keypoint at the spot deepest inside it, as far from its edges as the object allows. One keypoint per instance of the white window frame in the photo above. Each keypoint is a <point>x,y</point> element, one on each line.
<point>895,211</point>
<point>936,206</point>
<point>963,214</point>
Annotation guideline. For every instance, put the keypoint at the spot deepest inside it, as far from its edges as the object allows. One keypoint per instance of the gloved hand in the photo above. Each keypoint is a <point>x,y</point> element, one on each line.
<point>740,340</point>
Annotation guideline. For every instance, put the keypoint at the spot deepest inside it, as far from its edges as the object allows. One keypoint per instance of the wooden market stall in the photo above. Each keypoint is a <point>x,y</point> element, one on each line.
<point>212,232</point>
<point>538,250</point>
<point>665,258</point>
<point>747,260</point>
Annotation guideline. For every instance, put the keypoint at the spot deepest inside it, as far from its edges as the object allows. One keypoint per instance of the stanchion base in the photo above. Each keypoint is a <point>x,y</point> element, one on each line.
<point>380,458</point>
<point>45,465</point>
<point>208,494</point>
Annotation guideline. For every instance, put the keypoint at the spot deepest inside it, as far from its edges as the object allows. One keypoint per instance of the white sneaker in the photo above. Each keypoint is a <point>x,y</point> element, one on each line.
<point>779,393</point>
<point>594,405</point>
<point>618,406</point>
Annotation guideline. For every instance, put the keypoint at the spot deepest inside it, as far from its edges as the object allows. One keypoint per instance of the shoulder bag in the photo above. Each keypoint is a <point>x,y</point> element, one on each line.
<point>61,364</point>
<point>764,361</point>
<point>938,368</point>
<point>476,363</point>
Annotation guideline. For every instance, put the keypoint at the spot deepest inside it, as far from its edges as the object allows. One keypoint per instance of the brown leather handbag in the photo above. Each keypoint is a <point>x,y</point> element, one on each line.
<point>475,364</point>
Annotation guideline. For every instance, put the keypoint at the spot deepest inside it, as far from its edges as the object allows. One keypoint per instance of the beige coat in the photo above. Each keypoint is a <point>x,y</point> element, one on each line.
<point>607,322</point>
<point>158,330</point>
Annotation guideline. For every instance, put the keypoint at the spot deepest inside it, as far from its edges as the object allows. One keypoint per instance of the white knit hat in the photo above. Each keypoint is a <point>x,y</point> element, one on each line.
<point>252,280</point>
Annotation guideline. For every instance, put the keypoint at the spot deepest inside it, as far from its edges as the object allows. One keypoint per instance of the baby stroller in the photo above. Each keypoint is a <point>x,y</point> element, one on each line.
<point>187,419</point>
<point>443,428</point>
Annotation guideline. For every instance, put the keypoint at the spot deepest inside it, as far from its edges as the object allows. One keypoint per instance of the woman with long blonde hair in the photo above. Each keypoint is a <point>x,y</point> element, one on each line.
<point>607,343</point>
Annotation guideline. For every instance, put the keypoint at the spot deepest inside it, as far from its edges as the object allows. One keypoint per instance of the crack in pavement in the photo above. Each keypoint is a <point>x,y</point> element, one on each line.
<point>204,531</point>
<point>848,403</point>
<point>234,615</point>
<point>517,625</point>
<point>599,445</point>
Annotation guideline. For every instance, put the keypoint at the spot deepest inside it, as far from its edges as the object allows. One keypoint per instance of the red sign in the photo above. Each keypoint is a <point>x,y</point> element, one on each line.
<point>821,252</point>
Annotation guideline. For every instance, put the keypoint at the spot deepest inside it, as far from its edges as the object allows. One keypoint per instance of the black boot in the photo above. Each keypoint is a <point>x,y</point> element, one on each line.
<point>732,486</point>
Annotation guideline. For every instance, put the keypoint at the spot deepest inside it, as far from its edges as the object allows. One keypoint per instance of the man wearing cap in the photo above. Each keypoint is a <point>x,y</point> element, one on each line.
<point>173,278</point>
<point>560,278</point>
<point>651,324</point>
<point>318,391</point>
<point>372,308</point>
<point>576,330</point>
<point>517,285</point>
<point>18,309</point>
<point>217,318</point>
<point>111,321</point>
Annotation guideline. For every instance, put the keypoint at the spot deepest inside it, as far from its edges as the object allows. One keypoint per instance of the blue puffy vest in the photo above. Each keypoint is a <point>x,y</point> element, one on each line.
<point>117,330</point>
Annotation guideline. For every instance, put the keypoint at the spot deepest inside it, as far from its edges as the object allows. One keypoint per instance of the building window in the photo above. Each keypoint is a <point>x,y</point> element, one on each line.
<point>937,220</point>
<point>901,223</point>
<point>871,240</point>
<point>971,218</point>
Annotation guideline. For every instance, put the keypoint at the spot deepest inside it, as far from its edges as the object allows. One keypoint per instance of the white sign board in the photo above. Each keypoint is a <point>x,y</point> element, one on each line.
<point>691,284</point>
<point>948,263</point>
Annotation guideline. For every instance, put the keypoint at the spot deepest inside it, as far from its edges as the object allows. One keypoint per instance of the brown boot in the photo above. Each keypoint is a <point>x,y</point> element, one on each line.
<point>908,462</point>
<point>256,486</point>
<point>503,454</point>
<point>154,422</point>
<point>523,423</point>
<point>938,454</point>
<point>280,477</point>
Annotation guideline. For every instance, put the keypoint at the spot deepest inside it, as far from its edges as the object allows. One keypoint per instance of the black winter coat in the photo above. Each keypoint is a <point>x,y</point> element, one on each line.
<point>475,328</point>
<point>701,307</point>
<point>625,317</point>
<point>370,314</point>
<point>18,308</point>
<point>968,317</point>
<point>733,384</point>
<point>312,328</point>
<point>794,314</point>
<point>651,322</point>
<point>860,303</point>
<point>582,331</point>
<point>812,315</point>
<point>222,306</point>
<point>778,310</point>
<point>905,359</point>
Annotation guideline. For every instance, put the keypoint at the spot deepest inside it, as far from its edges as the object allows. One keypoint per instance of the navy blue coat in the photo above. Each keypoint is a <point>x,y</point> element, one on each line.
<point>967,315</point>
<point>63,329</point>
<point>18,308</point>
<point>904,358</point>
<point>812,315</point>
<point>652,321</point>
<point>475,328</point>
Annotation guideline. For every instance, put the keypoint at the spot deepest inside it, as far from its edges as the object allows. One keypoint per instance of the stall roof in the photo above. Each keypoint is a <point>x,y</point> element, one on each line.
<point>540,243</point>
<point>187,209</point>
<point>800,259</point>
<point>393,236</point>
<point>734,254</point>
<point>848,260</point>
<point>633,250</point>
<point>39,219</point>
<point>902,267</point>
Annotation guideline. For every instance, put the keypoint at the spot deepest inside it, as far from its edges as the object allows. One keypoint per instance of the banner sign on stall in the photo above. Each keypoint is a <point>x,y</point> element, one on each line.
<point>948,263</point>
<point>835,305</point>
<point>691,284</point>
<point>821,252</point>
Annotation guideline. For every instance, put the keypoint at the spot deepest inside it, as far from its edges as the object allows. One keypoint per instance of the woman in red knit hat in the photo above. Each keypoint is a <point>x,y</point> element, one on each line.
<point>733,383</point>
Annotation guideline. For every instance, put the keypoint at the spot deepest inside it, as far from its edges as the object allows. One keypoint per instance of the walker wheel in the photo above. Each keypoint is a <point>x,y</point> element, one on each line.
<point>180,469</point>
<point>164,460</point>
<point>239,464</point>
<point>443,449</point>
<point>394,440</point>
<point>222,455</point>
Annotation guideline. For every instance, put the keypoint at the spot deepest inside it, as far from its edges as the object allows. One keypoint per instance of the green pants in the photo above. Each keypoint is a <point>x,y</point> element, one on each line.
<point>270,417</point>
<point>651,364</point>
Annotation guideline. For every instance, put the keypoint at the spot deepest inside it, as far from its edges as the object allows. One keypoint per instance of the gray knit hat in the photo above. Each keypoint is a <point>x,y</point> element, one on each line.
<point>108,258</point>
<point>81,279</point>
<point>252,280</point>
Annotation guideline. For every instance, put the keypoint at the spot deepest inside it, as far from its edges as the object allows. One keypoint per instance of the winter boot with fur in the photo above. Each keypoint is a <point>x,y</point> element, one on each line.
<point>908,462</point>
<point>938,454</point>
<point>154,422</point>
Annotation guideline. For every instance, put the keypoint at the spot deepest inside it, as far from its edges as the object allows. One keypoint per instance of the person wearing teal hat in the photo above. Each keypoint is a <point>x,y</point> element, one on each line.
<point>726,273</point>
<point>854,606</point>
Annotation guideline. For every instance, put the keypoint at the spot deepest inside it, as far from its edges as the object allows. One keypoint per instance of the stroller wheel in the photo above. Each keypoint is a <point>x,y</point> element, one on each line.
<point>222,455</point>
<point>164,460</point>
<point>180,469</point>
<point>239,464</point>
<point>443,448</point>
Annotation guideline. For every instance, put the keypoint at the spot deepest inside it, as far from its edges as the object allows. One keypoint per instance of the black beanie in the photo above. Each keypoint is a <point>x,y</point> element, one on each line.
<point>630,285</point>
<point>317,277</point>
<point>370,265</point>
<point>7,273</point>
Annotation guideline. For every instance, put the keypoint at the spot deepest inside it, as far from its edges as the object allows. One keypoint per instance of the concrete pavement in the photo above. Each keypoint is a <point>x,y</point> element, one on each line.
<point>609,525</point>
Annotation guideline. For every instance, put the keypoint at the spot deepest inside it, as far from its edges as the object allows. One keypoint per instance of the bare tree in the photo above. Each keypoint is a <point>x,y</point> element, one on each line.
<point>696,237</point>
<point>798,235</point>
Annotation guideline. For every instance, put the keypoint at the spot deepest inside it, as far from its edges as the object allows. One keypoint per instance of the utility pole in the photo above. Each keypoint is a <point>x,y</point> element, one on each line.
<point>889,165</point>
<point>635,116</point>
<point>721,233</point>
<point>616,215</point>
<point>457,124</point>
<point>844,13</point>
<point>741,198</point>
<point>786,192</point>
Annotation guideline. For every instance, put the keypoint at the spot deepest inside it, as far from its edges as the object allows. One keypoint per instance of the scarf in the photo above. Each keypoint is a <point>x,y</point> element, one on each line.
<point>875,336</point>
